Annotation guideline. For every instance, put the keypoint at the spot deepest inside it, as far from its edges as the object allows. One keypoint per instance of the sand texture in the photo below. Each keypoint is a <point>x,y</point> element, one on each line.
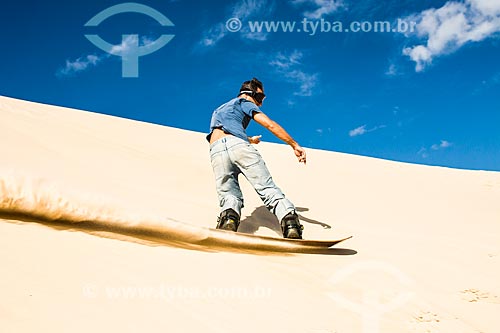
<point>104,226</point>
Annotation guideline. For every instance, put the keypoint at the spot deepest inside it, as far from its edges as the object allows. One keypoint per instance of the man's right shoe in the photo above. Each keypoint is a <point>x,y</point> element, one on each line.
<point>228,220</point>
<point>291,226</point>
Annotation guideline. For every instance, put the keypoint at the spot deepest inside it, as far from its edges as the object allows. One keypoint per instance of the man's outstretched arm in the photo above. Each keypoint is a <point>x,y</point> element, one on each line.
<point>281,134</point>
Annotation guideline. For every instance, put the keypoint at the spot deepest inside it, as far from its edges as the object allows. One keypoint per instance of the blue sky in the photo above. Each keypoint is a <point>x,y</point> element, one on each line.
<point>430,96</point>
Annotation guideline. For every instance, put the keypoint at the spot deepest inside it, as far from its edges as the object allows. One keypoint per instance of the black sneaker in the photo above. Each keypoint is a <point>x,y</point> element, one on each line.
<point>228,220</point>
<point>291,226</point>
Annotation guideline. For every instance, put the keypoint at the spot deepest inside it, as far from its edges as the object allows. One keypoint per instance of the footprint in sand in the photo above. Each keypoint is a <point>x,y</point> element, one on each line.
<point>427,317</point>
<point>425,322</point>
<point>430,322</point>
<point>475,295</point>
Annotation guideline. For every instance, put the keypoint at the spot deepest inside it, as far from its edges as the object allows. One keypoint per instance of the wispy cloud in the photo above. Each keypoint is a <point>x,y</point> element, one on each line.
<point>392,70</point>
<point>213,35</point>
<point>86,62</point>
<point>322,131</point>
<point>126,45</point>
<point>79,65</point>
<point>424,151</point>
<point>248,8</point>
<point>442,145</point>
<point>306,81</point>
<point>446,29</point>
<point>358,131</point>
<point>284,61</point>
<point>242,10</point>
<point>361,130</point>
<point>320,7</point>
<point>289,67</point>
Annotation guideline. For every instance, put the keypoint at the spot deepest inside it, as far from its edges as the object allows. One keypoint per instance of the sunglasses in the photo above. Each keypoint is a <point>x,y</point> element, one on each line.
<point>259,97</point>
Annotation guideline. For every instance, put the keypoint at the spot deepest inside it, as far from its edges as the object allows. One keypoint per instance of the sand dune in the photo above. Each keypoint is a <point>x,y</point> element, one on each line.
<point>104,226</point>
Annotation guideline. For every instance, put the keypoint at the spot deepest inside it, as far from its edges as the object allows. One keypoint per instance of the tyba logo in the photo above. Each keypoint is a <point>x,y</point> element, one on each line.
<point>131,53</point>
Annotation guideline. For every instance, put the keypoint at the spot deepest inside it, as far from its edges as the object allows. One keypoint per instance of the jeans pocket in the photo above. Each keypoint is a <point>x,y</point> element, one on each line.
<point>247,156</point>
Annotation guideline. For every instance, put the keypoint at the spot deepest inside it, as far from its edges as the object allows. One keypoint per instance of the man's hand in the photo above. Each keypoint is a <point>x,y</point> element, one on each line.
<point>254,139</point>
<point>300,153</point>
<point>280,132</point>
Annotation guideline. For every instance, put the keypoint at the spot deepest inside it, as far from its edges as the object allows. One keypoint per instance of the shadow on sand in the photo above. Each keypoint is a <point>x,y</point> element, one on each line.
<point>261,217</point>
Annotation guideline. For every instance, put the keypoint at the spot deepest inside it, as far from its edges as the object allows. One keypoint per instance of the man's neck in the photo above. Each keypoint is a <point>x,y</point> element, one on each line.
<point>248,98</point>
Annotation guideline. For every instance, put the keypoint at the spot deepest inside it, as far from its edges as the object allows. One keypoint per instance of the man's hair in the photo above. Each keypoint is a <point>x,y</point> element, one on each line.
<point>252,85</point>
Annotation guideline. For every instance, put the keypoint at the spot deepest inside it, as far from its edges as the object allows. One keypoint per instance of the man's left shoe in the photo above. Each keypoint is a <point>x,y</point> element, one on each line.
<point>291,226</point>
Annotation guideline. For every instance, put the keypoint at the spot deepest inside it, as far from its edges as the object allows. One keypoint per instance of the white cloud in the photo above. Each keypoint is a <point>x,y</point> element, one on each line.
<point>491,7</point>
<point>124,46</point>
<point>242,10</point>
<point>283,61</point>
<point>146,40</point>
<point>424,152</point>
<point>129,43</point>
<point>79,65</point>
<point>322,7</point>
<point>289,67</point>
<point>448,28</point>
<point>362,130</point>
<point>420,54</point>
<point>214,34</point>
<point>83,63</point>
<point>324,131</point>
<point>247,8</point>
<point>307,82</point>
<point>358,131</point>
<point>443,145</point>
<point>392,70</point>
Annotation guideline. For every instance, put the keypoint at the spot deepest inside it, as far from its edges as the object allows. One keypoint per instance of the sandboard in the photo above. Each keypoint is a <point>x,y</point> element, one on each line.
<point>266,243</point>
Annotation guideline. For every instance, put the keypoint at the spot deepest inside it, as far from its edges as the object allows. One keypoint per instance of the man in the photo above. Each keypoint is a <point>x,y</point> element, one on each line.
<point>231,153</point>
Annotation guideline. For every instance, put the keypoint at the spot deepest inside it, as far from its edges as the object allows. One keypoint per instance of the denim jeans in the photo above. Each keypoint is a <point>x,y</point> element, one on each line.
<point>231,156</point>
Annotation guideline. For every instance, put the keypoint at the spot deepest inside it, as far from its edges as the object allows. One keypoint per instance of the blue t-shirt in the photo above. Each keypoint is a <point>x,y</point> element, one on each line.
<point>233,117</point>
